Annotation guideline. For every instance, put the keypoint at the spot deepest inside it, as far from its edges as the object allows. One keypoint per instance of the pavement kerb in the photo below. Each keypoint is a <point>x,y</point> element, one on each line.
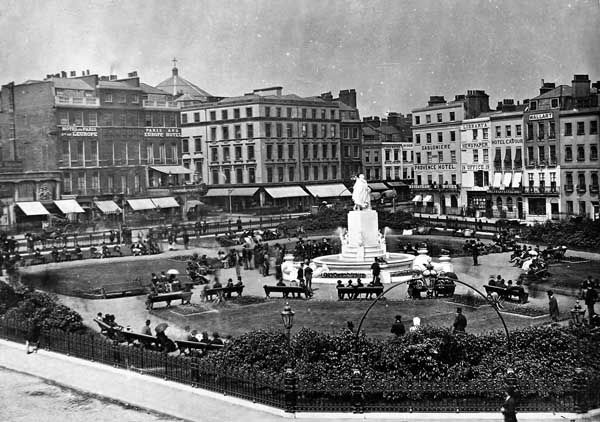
<point>193,404</point>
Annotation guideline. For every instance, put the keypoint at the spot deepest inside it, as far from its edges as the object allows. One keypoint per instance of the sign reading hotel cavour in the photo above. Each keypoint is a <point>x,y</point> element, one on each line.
<point>434,167</point>
<point>540,116</point>
<point>507,141</point>
<point>79,130</point>
<point>162,132</point>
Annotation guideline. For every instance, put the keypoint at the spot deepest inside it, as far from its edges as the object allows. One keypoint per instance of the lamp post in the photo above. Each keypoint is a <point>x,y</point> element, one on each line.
<point>287,316</point>
<point>230,191</point>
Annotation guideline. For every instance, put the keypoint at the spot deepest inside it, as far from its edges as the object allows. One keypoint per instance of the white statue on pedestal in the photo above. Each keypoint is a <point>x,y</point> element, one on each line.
<point>361,195</point>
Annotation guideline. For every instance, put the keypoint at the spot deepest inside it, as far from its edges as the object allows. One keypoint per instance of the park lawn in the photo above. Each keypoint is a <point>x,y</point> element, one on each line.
<point>70,280</point>
<point>331,316</point>
<point>570,275</point>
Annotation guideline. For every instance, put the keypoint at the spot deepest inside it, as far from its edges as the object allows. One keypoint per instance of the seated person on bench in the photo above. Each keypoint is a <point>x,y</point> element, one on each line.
<point>280,283</point>
<point>229,285</point>
<point>340,284</point>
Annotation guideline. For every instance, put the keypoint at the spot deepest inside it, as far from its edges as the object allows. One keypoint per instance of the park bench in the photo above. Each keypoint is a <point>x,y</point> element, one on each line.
<point>224,291</point>
<point>286,290</point>
<point>508,293</point>
<point>128,288</point>
<point>147,341</point>
<point>105,329</point>
<point>168,297</point>
<point>189,346</point>
<point>357,292</point>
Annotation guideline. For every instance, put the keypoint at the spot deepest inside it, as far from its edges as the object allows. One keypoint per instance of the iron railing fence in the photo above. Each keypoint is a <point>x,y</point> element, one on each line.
<point>286,392</point>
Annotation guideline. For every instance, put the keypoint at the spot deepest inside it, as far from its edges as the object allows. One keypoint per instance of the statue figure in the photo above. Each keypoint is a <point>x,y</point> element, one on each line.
<point>361,194</point>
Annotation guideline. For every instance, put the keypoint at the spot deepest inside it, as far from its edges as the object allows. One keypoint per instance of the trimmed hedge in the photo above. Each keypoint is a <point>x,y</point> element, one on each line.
<point>574,233</point>
<point>544,354</point>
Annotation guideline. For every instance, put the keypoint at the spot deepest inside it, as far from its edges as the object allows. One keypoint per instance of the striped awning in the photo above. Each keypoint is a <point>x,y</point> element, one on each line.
<point>286,192</point>
<point>108,207</point>
<point>165,202</point>
<point>507,179</point>
<point>172,169</point>
<point>141,204</point>
<point>216,192</point>
<point>428,198</point>
<point>69,206</point>
<point>328,191</point>
<point>32,208</point>
<point>378,186</point>
<point>417,198</point>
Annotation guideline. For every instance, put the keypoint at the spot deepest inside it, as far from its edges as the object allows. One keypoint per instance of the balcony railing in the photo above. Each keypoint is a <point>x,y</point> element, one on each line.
<point>540,190</point>
<point>581,189</point>
<point>569,188</point>
<point>77,101</point>
<point>160,104</point>
<point>594,188</point>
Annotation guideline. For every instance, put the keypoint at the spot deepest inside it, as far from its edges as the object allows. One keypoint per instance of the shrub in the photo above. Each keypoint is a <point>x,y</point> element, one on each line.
<point>8,297</point>
<point>45,308</point>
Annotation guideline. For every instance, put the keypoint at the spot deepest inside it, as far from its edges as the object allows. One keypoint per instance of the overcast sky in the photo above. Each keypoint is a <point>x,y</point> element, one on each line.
<point>394,53</point>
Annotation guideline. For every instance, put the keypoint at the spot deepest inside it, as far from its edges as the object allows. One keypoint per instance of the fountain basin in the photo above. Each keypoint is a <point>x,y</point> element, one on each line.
<point>330,268</point>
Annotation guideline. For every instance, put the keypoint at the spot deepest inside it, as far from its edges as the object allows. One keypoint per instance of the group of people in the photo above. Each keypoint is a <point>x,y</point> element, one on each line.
<point>165,283</point>
<point>375,282</point>
<point>308,250</point>
<point>532,260</point>
<point>147,246</point>
<point>458,326</point>
<point>475,247</point>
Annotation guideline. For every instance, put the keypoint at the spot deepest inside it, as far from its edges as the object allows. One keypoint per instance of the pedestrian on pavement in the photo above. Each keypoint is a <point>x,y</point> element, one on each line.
<point>300,274</point>
<point>376,269</point>
<point>398,327</point>
<point>308,273</point>
<point>553,306</point>
<point>186,239</point>
<point>146,330</point>
<point>591,295</point>
<point>460,322</point>
<point>474,252</point>
<point>32,340</point>
<point>239,224</point>
<point>508,409</point>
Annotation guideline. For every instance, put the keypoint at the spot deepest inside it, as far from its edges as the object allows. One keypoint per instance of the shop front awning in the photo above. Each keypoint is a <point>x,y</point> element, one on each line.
<point>32,208</point>
<point>141,204</point>
<point>165,202</point>
<point>108,207</point>
<point>507,179</point>
<point>328,191</point>
<point>396,184</point>
<point>286,192</point>
<point>172,169</point>
<point>417,198</point>
<point>69,206</point>
<point>215,192</point>
<point>516,181</point>
<point>497,180</point>
<point>378,187</point>
<point>428,198</point>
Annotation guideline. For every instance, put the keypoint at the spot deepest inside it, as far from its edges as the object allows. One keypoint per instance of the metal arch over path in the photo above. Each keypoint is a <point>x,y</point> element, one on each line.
<point>456,281</point>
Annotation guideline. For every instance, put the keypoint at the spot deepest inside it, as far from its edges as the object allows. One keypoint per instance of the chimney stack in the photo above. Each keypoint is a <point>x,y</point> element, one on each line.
<point>132,74</point>
<point>348,97</point>
<point>436,99</point>
<point>581,86</point>
<point>63,74</point>
<point>73,74</point>
<point>113,77</point>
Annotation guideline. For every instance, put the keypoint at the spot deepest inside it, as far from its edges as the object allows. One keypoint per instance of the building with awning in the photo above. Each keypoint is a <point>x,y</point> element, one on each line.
<point>32,208</point>
<point>166,175</point>
<point>165,202</point>
<point>417,198</point>
<point>506,180</point>
<point>108,207</point>
<point>516,181</point>
<point>69,206</point>
<point>336,190</point>
<point>233,198</point>
<point>141,204</point>
<point>428,198</point>
<point>497,180</point>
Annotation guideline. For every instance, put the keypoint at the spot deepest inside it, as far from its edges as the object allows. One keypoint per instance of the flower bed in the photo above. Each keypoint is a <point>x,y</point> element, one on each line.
<point>469,299</point>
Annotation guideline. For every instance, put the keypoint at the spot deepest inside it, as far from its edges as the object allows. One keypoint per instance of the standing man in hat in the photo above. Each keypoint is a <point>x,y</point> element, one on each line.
<point>553,306</point>
<point>398,327</point>
<point>460,322</point>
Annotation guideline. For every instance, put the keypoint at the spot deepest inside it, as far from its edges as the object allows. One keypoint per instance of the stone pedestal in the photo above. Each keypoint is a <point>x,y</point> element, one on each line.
<point>363,237</point>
